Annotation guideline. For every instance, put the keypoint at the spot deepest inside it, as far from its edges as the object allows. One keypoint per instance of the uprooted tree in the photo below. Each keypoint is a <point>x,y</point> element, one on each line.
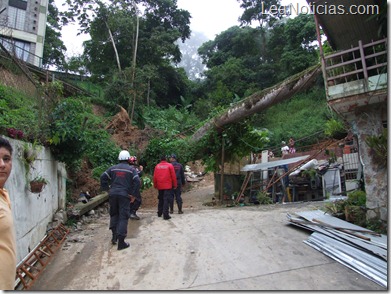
<point>260,101</point>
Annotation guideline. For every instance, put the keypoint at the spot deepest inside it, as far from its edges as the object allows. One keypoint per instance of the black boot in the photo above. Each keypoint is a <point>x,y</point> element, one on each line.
<point>122,244</point>
<point>114,237</point>
<point>180,209</point>
<point>172,208</point>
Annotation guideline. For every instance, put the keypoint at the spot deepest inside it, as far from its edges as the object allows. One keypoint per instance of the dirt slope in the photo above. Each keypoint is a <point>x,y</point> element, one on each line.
<point>128,136</point>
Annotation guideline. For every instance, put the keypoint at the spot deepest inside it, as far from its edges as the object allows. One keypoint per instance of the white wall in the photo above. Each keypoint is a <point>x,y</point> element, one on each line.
<point>33,212</point>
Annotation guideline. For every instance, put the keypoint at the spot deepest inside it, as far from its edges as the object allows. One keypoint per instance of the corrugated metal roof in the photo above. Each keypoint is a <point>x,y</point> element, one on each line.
<point>364,263</point>
<point>343,31</point>
<point>368,246</point>
<point>329,219</point>
<point>271,164</point>
<point>357,248</point>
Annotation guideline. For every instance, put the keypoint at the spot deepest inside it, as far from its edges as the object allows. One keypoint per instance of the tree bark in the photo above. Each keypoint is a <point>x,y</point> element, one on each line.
<point>261,100</point>
<point>134,67</point>
<point>115,48</point>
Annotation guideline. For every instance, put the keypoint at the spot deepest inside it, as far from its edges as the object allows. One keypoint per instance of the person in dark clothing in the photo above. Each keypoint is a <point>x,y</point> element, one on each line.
<point>135,205</point>
<point>164,180</point>
<point>181,181</point>
<point>122,182</point>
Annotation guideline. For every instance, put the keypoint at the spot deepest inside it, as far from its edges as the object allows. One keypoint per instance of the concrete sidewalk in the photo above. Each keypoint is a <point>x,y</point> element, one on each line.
<point>241,248</point>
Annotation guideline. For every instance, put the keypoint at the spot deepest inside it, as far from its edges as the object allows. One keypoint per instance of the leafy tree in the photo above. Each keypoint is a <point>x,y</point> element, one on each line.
<point>292,44</point>
<point>260,11</point>
<point>239,140</point>
<point>68,130</point>
<point>160,26</point>
<point>234,42</point>
<point>53,39</point>
<point>172,120</point>
<point>233,60</point>
<point>77,64</point>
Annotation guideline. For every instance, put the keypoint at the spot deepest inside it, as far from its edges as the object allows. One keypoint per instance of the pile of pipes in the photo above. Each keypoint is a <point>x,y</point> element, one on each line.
<point>360,249</point>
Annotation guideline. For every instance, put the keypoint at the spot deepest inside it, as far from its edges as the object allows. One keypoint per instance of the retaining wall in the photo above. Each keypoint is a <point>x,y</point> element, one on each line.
<point>34,211</point>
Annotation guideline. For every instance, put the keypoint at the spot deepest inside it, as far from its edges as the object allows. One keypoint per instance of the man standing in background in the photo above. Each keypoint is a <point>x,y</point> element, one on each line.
<point>181,181</point>
<point>135,205</point>
<point>164,180</point>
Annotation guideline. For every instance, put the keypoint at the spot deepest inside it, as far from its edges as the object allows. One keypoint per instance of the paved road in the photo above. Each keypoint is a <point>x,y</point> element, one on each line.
<point>242,248</point>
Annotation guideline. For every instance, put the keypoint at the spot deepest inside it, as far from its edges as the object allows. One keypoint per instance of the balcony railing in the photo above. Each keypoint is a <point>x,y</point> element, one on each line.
<point>357,70</point>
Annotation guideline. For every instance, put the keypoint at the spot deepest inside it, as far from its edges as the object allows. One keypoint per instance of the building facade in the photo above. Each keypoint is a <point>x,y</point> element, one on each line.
<point>22,28</point>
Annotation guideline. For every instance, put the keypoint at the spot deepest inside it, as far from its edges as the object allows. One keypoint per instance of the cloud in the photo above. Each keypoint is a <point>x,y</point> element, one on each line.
<point>212,16</point>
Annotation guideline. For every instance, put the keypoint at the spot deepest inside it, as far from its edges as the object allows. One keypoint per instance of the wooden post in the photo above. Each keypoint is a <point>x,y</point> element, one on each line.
<point>321,53</point>
<point>364,64</point>
<point>222,169</point>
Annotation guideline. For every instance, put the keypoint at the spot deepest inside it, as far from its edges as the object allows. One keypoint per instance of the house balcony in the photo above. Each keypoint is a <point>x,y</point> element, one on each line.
<point>357,77</point>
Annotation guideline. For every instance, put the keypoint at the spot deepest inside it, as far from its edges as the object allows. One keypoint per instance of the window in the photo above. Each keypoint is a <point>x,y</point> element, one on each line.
<point>21,48</point>
<point>21,4</point>
<point>16,18</point>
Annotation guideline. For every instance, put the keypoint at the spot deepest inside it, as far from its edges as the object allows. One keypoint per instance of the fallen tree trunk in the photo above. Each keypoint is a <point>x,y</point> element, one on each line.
<point>261,100</point>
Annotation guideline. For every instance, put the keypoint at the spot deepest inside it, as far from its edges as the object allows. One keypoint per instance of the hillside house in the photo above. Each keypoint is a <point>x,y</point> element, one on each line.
<point>355,76</point>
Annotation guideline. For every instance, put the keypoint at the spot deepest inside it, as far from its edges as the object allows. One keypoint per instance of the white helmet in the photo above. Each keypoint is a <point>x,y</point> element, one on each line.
<point>123,155</point>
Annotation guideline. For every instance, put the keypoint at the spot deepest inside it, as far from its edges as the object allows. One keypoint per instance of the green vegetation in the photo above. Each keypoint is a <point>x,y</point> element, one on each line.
<point>18,111</point>
<point>379,146</point>
<point>296,118</point>
<point>335,128</point>
<point>353,210</point>
<point>158,95</point>
<point>264,198</point>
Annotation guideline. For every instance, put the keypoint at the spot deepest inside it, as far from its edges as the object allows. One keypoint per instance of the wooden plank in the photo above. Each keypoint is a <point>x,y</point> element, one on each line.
<point>81,208</point>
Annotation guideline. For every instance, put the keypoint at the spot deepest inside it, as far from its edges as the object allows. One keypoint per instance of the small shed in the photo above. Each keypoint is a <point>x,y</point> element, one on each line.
<point>266,175</point>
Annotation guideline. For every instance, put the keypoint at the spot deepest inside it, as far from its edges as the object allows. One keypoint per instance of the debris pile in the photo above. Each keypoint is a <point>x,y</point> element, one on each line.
<point>360,249</point>
<point>192,176</point>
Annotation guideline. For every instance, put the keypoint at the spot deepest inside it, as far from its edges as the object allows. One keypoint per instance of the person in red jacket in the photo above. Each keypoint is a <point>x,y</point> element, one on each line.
<point>164,180</point>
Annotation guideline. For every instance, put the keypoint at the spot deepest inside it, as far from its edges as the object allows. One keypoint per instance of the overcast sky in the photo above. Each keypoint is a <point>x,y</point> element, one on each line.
<point>210,17</point>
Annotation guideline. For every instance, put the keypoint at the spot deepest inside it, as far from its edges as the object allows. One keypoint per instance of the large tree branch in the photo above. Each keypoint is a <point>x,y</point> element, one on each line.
<point>261,100</point>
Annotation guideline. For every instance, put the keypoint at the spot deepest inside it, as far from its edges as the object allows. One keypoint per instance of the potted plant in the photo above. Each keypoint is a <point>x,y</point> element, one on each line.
<point>37,184</point>
<point>29,154</point>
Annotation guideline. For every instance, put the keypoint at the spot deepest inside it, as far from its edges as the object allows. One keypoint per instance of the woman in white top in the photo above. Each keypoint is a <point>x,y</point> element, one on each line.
<point>284,148</point>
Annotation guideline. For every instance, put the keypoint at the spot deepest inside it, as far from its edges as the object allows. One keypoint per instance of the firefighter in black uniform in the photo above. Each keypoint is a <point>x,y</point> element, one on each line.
<point>135,205</point>
<point>181,180</point>
<point>122,182</point>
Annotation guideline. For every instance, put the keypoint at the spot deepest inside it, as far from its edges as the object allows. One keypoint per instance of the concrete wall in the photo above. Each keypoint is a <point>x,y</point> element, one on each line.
<point>33,212</point>
<point>369,123</point>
